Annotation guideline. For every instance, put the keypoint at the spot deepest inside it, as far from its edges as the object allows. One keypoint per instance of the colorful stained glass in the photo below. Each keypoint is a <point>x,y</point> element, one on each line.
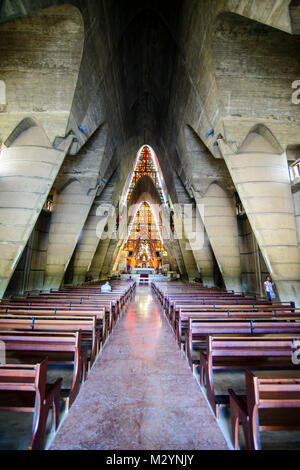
<point>145,166</point>
<point>144,242</point>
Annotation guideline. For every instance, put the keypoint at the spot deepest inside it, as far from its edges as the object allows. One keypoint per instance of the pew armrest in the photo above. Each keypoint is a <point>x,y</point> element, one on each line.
<point>239,415</point>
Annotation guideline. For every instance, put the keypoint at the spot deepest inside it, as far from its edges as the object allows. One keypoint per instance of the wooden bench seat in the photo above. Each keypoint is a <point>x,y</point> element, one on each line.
<point>23,388</point>
<point>103,320</point>
<point>68,324</point>
<point>271,403</point>
<point>60,349</point>
<point>199,330</point>
<point>229,306</point>
<point>241,353</point>
<point>182,322</point>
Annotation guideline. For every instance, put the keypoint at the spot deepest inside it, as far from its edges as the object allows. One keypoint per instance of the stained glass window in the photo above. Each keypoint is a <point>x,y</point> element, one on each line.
<point>144,242</point>
<point>146,166</point>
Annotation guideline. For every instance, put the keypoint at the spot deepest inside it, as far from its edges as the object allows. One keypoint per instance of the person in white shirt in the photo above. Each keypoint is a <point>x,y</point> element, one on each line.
<point>269,288</point>
<point>106,287</point>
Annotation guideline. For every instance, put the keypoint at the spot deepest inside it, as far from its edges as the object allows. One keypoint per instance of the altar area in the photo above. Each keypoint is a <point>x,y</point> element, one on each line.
<point>143,271</point>
<point>151,277</point>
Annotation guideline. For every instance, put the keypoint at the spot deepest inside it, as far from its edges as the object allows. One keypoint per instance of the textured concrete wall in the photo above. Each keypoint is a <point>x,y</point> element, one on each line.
<point>255,69</point>
<point>40,60</point>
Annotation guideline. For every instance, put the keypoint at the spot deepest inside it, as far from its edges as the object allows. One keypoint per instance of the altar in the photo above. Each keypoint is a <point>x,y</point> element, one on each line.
<point>143,271</point>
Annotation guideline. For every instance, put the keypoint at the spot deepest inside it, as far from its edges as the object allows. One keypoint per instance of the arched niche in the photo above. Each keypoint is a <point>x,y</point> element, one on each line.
<point>261,139</point>
<point>28,132</point>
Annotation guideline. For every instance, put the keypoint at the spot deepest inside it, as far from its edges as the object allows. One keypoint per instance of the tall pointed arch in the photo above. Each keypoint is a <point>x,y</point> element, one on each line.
<point>146,163</point>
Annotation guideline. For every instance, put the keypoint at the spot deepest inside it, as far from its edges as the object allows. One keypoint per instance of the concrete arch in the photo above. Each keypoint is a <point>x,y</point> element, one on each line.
<point>67,183</point>
<point>41,70</point>
<point>261,176</point>
<point>28,132</point>
<point>261,137</point>
<point>273,14</point>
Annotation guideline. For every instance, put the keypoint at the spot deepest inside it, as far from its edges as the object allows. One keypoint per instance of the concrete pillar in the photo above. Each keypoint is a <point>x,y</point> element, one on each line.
<point>101,263</point>
<point>220,222</point>
<point>109,259</point>
<point>205,262</point>
<point>185,257</point>
<point>296,198</point>
<point>70,211</point>
<point>98,260</point>
<point>28,168</point>
<point>260,173</point>
<point>89,240</point>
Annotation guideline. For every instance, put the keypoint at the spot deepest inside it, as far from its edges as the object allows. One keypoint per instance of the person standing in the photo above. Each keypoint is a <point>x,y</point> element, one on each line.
<point>269,288</point>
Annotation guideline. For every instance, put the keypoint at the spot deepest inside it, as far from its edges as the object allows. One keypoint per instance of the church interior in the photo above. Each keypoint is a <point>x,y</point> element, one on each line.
<point>149,225</point>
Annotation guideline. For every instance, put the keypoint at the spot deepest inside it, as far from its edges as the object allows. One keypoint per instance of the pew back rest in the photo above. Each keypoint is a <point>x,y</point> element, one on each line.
<point>273,390</point>
<point>50,323</point>
<point>239,346</point>
<point>203,327</point>
<point>44,342</point>
<point>22,377</point>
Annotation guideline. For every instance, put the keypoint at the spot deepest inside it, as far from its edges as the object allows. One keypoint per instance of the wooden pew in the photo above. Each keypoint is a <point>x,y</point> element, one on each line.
<point>63,349</point>
<point>62,304</point>
<point>271,403</point>
<point>23,388</point>
<point>69,324</point>
<point>229,307</point>
<point>241,353</point>
<point>182,322</point>
<point>102,320</point>
<point>198,330</point>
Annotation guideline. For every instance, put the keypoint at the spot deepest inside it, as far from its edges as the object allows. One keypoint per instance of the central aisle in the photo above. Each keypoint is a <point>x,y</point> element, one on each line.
<point>141,393</point>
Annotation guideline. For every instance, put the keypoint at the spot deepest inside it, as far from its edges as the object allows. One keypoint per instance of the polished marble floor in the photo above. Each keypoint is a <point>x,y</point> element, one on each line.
<point>141,393</point>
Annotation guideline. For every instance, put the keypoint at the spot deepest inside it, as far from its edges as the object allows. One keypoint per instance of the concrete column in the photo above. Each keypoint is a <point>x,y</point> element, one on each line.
<point>296,197</point>
<point>89,240</point>
<point>109,259</point>
<point>205,262</point>
<point>69,215</point>
<point>187,259</point>
<point>220,222</point>
<point>98,260</point>
<point>260,173</point>
<point>28,168</point>
<point>101,263</point>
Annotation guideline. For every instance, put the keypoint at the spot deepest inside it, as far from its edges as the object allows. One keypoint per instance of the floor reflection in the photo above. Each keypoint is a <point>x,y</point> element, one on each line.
<point>143,325</point>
